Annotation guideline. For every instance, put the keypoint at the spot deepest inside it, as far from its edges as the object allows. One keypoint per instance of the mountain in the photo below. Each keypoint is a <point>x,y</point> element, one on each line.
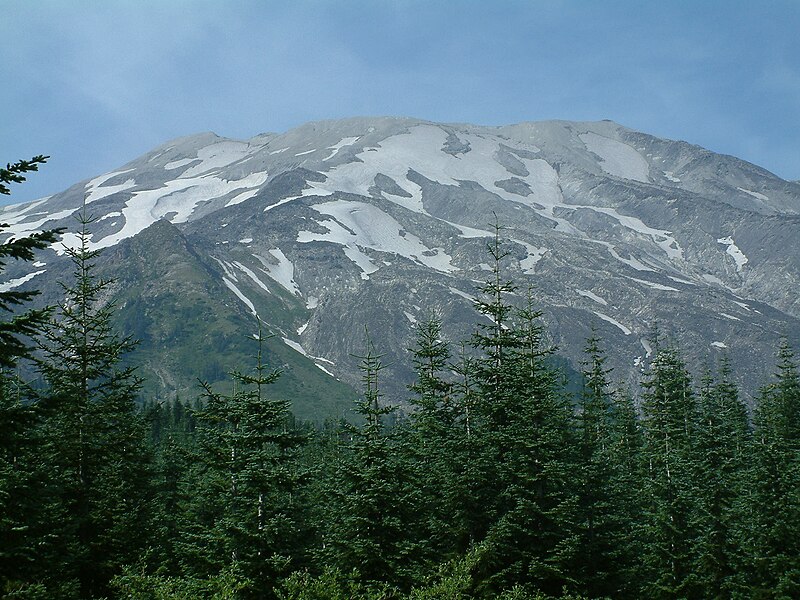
<point>371,222</point>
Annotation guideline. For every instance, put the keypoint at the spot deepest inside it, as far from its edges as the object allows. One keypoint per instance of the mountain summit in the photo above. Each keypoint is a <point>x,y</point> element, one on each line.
<point>339,224</point>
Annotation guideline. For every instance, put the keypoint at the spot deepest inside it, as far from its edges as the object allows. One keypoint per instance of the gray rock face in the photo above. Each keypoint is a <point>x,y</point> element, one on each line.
<point>338,225</point>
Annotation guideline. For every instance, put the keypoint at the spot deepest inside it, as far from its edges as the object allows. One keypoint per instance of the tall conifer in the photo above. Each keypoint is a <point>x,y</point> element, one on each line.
<point>93,437</point>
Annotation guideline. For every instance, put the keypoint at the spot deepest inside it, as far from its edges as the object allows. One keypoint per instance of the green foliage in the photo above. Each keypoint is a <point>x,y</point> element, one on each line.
<point>242,513</point>
<point>138,586</point>
<point>91,437</point>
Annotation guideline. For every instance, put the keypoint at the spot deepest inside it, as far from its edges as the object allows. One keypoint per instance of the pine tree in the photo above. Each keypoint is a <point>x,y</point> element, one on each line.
<point>93,439</point>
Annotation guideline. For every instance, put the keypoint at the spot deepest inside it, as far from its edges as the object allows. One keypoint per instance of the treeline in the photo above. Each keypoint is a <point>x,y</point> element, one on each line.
<point>498,484</point>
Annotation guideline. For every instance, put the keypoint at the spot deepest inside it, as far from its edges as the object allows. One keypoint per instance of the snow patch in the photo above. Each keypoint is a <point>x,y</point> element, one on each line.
<point>592,296</point>
<point>713,279</point>
<point>743,305</point>
<point>306,152</point>
<point>19,229</point>
<point>670,175</point>
<point>755,195</point>
<point>411,318</point>
<point>299,348</point>
<point>232,287</point>
<point>655,286</point>
<point>632,262</point>
<point>95,193</point>
<point>719,344</point>
<point>179,163</point>
<point>13,283</point>
<point>458,292</point>
<point>239,198</point>
<point>734,252</point>
<point>535,254</point>
<point>252,276</point>
<point>731,317</point>
<point>217,156</point>
<point>616,158</point>
<point>356,225</point>
<point>683,281</point>
<point>419,149</point>
<point>177,198</point>
<point>614,322</point>
<point>282,273</point>
<point>348,141</point>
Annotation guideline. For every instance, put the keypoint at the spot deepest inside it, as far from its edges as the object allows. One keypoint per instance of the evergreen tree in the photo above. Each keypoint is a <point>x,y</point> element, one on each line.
<point>92,438</point>
<point>533,540</point>
<point>670,424</point>
<point>524,431</point>
<point>370,525</point>
<point>626,497</point>
<point>598,528</point>
<point>722,452</point>
<point>775,548</point>
<point>242,514</point>
<point>431,442</point>
<point>20,471</point>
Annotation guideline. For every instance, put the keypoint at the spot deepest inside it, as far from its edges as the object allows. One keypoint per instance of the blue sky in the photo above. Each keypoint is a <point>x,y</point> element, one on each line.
<point>96,84</point>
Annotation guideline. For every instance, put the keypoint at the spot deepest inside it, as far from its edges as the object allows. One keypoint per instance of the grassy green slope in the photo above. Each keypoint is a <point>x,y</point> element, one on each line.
<point>191,327</point>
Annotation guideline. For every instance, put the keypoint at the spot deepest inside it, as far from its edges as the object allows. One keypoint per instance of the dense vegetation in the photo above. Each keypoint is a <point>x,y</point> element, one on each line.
<point>499,483</point>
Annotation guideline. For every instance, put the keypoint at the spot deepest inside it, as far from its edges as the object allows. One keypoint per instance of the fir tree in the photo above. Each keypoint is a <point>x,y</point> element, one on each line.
<point>533,540</point>
<point>775,549</point>
<point>670,423</point>
<point>598,528</point>
<point>370,525</point>
<point>722,453</point>
<point>93,439</point>
<point>20,470</point>
<point>431,442</point>
<point>243,514</point>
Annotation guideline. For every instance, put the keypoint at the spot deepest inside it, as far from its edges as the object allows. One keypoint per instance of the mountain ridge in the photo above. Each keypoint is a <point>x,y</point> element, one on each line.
<point>614,228</point>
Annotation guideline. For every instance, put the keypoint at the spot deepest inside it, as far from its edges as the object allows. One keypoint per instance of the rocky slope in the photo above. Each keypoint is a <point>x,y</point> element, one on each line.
<point>338,225</point>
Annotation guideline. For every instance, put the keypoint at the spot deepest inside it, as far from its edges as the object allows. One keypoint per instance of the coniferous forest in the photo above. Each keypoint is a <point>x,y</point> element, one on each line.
<point>495,482</point>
